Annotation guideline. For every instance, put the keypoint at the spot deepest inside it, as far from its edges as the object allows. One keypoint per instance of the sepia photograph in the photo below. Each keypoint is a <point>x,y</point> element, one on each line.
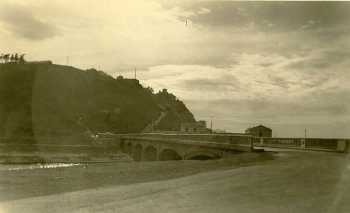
<point>174,106</point>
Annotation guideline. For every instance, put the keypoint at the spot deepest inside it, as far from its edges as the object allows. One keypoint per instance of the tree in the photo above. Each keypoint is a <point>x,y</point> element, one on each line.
<point>16,58</point>
<point>21,59</point>
<point>1,57</point>
<point>150,90</point>
<point>12,58</point>
<point>6,57</point>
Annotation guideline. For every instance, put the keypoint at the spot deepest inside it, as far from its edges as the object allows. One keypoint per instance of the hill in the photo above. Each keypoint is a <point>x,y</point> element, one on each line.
<point>44,100</point>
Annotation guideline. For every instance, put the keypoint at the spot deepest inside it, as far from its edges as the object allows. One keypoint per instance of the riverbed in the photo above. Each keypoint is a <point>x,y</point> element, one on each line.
<point>18,181</point>
<point>293,182</point>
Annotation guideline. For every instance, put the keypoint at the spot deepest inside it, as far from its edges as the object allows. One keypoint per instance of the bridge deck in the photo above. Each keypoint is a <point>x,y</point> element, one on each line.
<point>208,144</point>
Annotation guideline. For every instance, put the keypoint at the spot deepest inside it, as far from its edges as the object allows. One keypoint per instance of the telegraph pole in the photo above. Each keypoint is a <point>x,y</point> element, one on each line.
<point>305,133</point>
<point>135,72</point>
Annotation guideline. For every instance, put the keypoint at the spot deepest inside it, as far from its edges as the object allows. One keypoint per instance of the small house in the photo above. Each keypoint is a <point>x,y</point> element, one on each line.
<point>259,131</point>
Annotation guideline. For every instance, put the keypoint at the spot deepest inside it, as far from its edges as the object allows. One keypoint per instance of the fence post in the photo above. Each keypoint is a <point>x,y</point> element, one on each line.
<point>303,143</point>
<point>251,143</point>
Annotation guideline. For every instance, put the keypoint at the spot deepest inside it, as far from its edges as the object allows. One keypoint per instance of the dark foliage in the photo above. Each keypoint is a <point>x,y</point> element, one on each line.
<point>176,110</point>
<point>53,100</point>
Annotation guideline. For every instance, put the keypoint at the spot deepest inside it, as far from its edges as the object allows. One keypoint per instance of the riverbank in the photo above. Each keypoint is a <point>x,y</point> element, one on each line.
<point>18,184</point>
<point>294,182</point>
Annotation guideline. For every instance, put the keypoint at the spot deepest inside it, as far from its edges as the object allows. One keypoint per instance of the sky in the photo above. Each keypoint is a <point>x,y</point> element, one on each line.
<point>280,64</point>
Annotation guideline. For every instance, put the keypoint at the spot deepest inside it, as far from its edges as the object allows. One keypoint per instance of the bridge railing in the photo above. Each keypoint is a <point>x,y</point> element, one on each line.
<point>188,141</point>
<point>237,139</point>
<point>321,144</point>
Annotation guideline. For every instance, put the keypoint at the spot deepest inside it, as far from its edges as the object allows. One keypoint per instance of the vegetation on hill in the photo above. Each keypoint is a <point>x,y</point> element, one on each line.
<point>176,112</point>
<point>43,99</point>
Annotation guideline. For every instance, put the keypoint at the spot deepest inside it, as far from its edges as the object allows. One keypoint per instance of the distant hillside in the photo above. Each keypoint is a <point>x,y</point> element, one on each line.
<point>175,112</point>
<point>48,100</point>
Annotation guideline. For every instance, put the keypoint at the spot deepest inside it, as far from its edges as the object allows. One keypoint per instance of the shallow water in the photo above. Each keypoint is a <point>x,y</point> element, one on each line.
<point>17,167</point>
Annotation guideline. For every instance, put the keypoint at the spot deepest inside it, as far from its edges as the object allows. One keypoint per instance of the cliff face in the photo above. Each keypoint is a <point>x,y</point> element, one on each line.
<point>175,112</point>
<point>49,100</point>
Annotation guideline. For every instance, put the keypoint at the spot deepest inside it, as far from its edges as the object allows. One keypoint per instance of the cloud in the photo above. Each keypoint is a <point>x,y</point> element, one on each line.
<point>21,22</point>
<point>250,78</point>
<point>321,59</point>
<point>203,10</point>
<point>224,82</point>
<point>276,16</point>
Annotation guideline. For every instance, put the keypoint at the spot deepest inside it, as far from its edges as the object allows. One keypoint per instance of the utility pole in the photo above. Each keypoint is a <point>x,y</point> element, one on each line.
<point>135,73</point>
<point>303,141</point>
<point>211,124</point>
<point>67,60</point>
<point>305,133</point>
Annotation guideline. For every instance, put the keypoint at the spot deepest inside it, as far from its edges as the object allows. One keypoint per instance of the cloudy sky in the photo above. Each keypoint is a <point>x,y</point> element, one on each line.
<point>282,64</point>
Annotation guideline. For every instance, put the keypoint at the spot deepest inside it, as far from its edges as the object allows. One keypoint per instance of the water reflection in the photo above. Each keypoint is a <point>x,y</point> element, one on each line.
<point>18,167</point>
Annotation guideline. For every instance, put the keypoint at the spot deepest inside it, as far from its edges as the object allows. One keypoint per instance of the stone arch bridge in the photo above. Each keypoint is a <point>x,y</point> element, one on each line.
<point>150,148</point>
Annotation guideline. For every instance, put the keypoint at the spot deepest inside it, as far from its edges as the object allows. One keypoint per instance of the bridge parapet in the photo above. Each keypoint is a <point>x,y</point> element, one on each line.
<point>318,144</point>
<point>232,146</point>
<point>217,138</point>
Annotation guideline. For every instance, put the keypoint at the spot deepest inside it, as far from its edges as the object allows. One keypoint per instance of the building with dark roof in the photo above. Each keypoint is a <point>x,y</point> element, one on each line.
<point>259,131</point>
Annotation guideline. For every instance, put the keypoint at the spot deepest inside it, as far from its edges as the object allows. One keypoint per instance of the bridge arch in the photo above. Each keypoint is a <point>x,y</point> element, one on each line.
<point>137,152</point>
<point>128,149</point>
<point>202,155</point>
<point>169,154</point>
<point>122,145</point>
<point>150,153</point>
